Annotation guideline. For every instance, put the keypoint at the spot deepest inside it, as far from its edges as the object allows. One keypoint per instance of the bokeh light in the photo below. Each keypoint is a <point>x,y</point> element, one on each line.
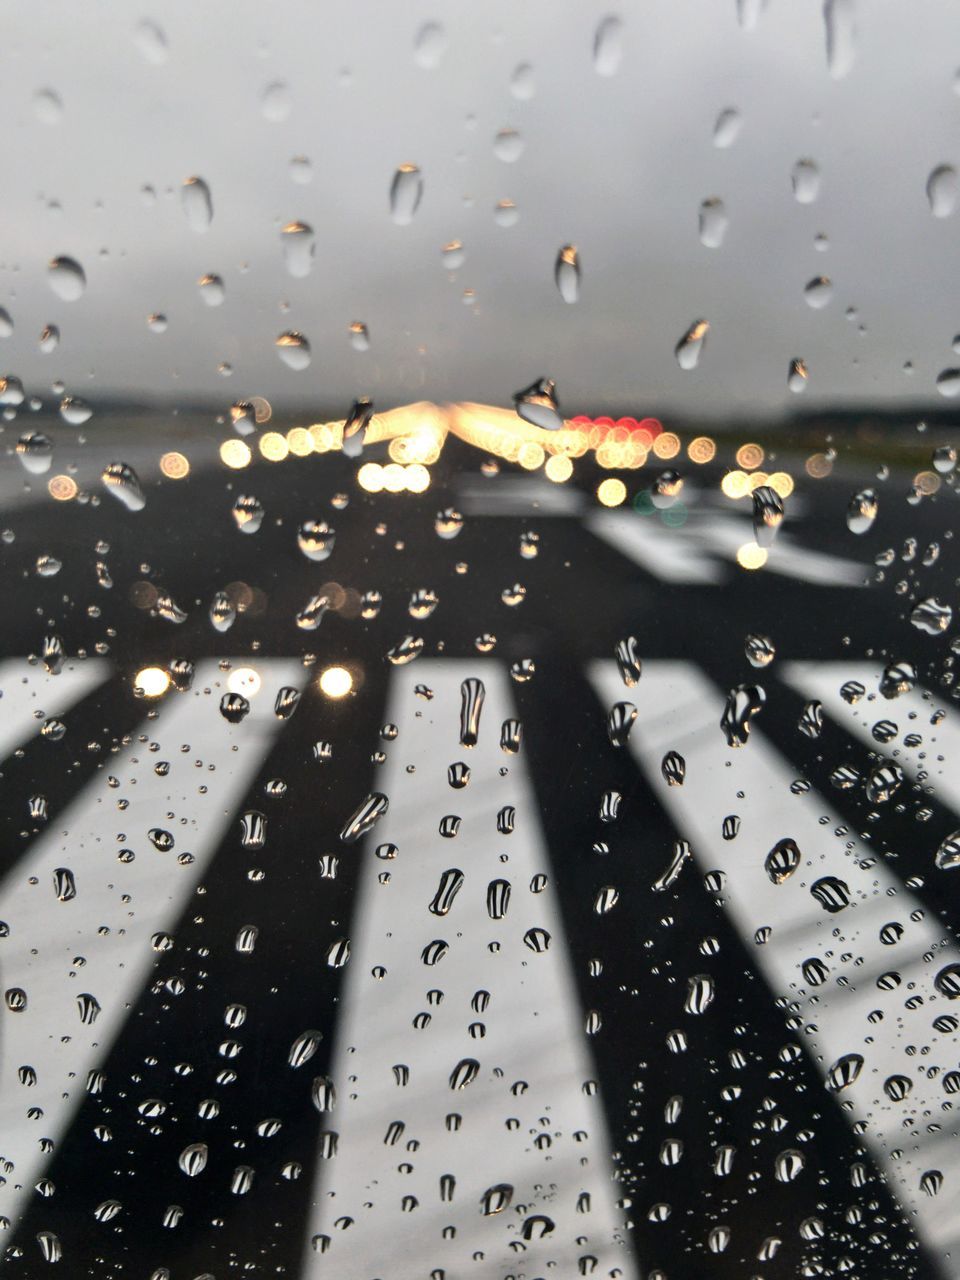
<point>151,682</point>
<point>274,446</point>
<point>750,556</point>
<point>559,468</point>
<point>236,454</point>
<point>702,449</point>
<point>245,681</point>
<point>174,466</point>
<point>749,456</point>
<point>666,445</point>
<point>336,682</point>
<point>63,488</point>
<point>735,484</point>
<point>611,492</point>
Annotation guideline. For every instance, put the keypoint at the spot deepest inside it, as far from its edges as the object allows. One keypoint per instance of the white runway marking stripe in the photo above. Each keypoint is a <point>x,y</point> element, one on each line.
<point>29,695</point>
<point>113,935</point>
<point>937,756</point>
<point>534,1026</point>
<point>680,710</point>
<point>663,552</point>
<point>692,553</point>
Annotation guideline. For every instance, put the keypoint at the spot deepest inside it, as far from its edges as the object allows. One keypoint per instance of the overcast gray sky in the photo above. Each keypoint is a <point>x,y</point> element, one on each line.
<point>618,165</point>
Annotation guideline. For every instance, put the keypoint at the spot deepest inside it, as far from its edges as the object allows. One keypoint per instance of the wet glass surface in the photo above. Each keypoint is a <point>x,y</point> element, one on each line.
<point>477,696</point>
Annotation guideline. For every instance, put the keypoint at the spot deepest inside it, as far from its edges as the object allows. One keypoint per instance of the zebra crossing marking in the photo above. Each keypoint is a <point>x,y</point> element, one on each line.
<point>692,553</point>
<point>681,711</point>
<point>29,694</point>
<point>534,1032</point>
<point>939,751</point>
<point>113,936</point>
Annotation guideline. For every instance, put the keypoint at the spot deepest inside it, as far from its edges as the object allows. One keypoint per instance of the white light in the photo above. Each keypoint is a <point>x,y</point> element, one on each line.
<point>336,682</point>
<point>244,680</point>
<point>151,682</point>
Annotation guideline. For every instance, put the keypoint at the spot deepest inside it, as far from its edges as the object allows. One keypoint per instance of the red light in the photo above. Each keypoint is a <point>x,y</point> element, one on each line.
<point>652,425</point>
<point>628,424</point>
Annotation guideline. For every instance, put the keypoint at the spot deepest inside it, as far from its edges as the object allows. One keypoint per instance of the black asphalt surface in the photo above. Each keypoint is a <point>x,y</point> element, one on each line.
<point>582,598</point>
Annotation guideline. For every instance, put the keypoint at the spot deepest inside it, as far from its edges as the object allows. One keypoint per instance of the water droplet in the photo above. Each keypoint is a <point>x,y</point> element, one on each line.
<point>566,272</point>
<point>49,1242</point>
<point>64,884</point>
<point>355,426</point>
<point>66,278</point>
<point>301,171</point>
<point>727,128</point>
<point>713,222</point>
<point>818,292</point>
<point>832,893</point>
<point>193,1159</point>
<point>674,769</point>
<point>122,481</point>
<point>700,994</point>
<point>211,290</point>
<point>782,861</point>
<point>48,567</point>
<point>452,255</point>
<point>75,411</point>
<point>942,191</point>
<point>406,191</point>
<point>298,243</point>
<point>157,322</point>
<point>537,404</point>
<point>234,707</point>
<point>448,523</point>
<point>797,376</point>
<point>49,338</point>
<point>862,511</point>
<point>316,539</point>
<point>409,648</point>
<point>11,390</point>
<point>197,204</point>
<point>451,882</point>
<point>608,46</point>
<point>839,22</point>
<point>276,102</point>
<point>741,706</point>
<point>522,84</point>
<point>294,350</point>
<point>422,603</point>
<point>248,512</point>
<point>805,179</point>
<point>948,383</point>
<point>243,417</point>
<point>620,721</point>
<point>359,336</point>
<point>628,661</point>
<point>947,856</point>
<point>35,452</point>
<point>666,489</point>
<point>759,650</point>
<point>748,13</point>
<point>364,817</point>
<point>47,106</point>
<point>537,940</point>
<point>690,347</point>
<point>151,42</point>
<point>223,613</point>
<point>508,145</point>
<point>505,213</point>
<point>429,46</point>
<point>944,459</point>
<point>303,1048</point>
<point>932,616</point>
<point>767,514</point>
